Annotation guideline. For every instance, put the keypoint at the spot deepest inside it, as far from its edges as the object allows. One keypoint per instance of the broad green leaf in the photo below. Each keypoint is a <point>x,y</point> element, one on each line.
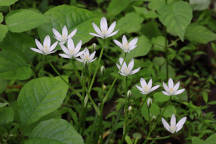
<point>24,20</point>
<point>152,113</point>
<point>1,17</point>
<point>200,4</point>
<point>200,34</point>
<point>19,43</point>
<point>73,18</point>
<point>6,115</point>
<point>13,66</point>
<point>159,43</point>
<point>40,97</point>
<point>160,97</point>
<point>3,31</point>
<point>169,110</point>
<point>196,140</point>
<point>7,2</point>
<point>148,14</point>
<point>129,23</point>
<point>156,4</point>
<point>54,131</point>
<point>142,49</point>
<point>176,17</point>
<point>117,6</point>
<point>211,139</point>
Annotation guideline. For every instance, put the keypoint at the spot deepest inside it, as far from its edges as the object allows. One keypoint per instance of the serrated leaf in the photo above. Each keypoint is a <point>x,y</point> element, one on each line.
<point>7,2</point>
<point>24,20</point>
<point>176,17</point>
<point>40,97</point>
<point>73,18</point>
<point>200,34</point>
<point>54,131</point>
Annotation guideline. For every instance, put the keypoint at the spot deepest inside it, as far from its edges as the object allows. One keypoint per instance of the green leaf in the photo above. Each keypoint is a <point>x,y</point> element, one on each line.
<point>176,17</point>
<point>200,4</point>
<point>146,13</point>
<point>131,22</point>
<point>128,140</point>
<point>73,18</point>
<point>160,97</point>
<point>159,43</point>
<point>1,17</point>
<point>3,104</point>
<point>211,139</point>
<point>40,97</point>
<point>196,140</point>
<point>156,4</point>
<point>200,34</point>
<point>6,115</point>
<point>3,31</point>
<point>24,20</point>
<point>117,6</point>
<point>142,49</point>
<point>54,131</point>
<point>169,110</point>
<point>7,2</point>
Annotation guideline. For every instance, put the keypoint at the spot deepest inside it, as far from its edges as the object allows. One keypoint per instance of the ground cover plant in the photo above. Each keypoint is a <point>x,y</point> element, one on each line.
<point>107,72</point>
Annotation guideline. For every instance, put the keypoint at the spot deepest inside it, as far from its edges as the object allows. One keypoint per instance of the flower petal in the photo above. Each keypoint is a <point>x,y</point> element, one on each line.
<point>112,34</point>
<point>155,87</point>
<point>180,124</point>
<point>93,34</point>
<point>165,87</point>
<point>65,56</point>
<point>170,83</point>
<point>70,44</point>
<point>143,82</point>
<point>133,42</point>
<point>124,40</point>
<point>139,88</point>
<point>118,43</point>
<point>176,87</point>
<point>103,24</point>
<point>64,49</point>
<point>131,64</point>
<point>179,91</point>
<point>165,93</point>
<point>72,33</point>
<point>47,41</point>
<point>39,45</point>
<point>111,28</point>
<point>65,31</point>
<point>165,124</point>
<point>173,121</point>
<point>37,50</point>
<point>53,46</point>
<point>136,70</point>
<point>150,83</point>
<point>57,34</point>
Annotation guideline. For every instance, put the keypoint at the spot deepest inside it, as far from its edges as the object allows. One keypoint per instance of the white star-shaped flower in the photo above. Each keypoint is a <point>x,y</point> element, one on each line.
<point>64,36</point>
<point>126,70</point>
<point>86,57</point>
<point>71,51</point>
<point>125,45</point>
<point>173,127</point>
<point>146,88</point>
<point>46,48</point>
<point>104,31</point>
<point>172,89</point>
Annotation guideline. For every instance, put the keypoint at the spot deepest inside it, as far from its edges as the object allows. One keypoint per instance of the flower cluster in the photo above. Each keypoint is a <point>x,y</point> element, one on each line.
<point>73,51</point>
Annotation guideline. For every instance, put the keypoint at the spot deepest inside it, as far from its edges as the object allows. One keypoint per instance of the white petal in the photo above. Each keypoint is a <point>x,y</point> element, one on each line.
<point>118,43</point>
<point>56,33</point>
<point>131,64</point>
<point>176,87</point>
<point>165,93</point>
<point>70,44</point>
<point>124,40</point>
<point>124,65</point>
<point>165,87</point>
<point>181,123</point>
<point>65,31</point>
<point>93,34</point>
<point>72,33</point>
<point>78,46</point>
<point>112,34</point>
<point>135,71</point>
<point>165,124</point>
<point>103,24</point>
<point>53,46</point>
<point>92,55</point>
<point>143,82</point>
<point>47,41</point>
<point>155,87</point>
<point>170,83</point>
<point>80,60</point>
<point>133,42</point>
<point>173,121</point>
<point>179,91</point>
<point>97,30</point>
<point>37,50</point>
<point>111,28</point>
<point>39,45</point>
<point>139,88</point>
<point>121,60</point>
<point>65,56</point>
<point>64,49</point>
<point>150,83</point>
<point>118,66</point>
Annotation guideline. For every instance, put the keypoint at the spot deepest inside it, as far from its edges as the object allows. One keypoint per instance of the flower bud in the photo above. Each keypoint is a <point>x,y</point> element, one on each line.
<point>149,102</point>
<point>102,69</point>
<point>129,108</point>
<point>129,93</point>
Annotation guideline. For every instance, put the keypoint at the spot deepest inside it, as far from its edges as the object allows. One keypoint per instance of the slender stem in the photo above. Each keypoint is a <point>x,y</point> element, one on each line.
<point>167,63</point>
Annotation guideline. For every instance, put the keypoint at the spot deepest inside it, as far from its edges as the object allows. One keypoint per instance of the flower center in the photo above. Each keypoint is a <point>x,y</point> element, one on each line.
<point>104,32</point>
<point>71,51</point>
<point>64,37</point>
<point>126,71</point>
<point>173,129</point>
<point>126,46</point>
<point>171,90</point>
<point>146,88</point>
<point>46,49</point>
